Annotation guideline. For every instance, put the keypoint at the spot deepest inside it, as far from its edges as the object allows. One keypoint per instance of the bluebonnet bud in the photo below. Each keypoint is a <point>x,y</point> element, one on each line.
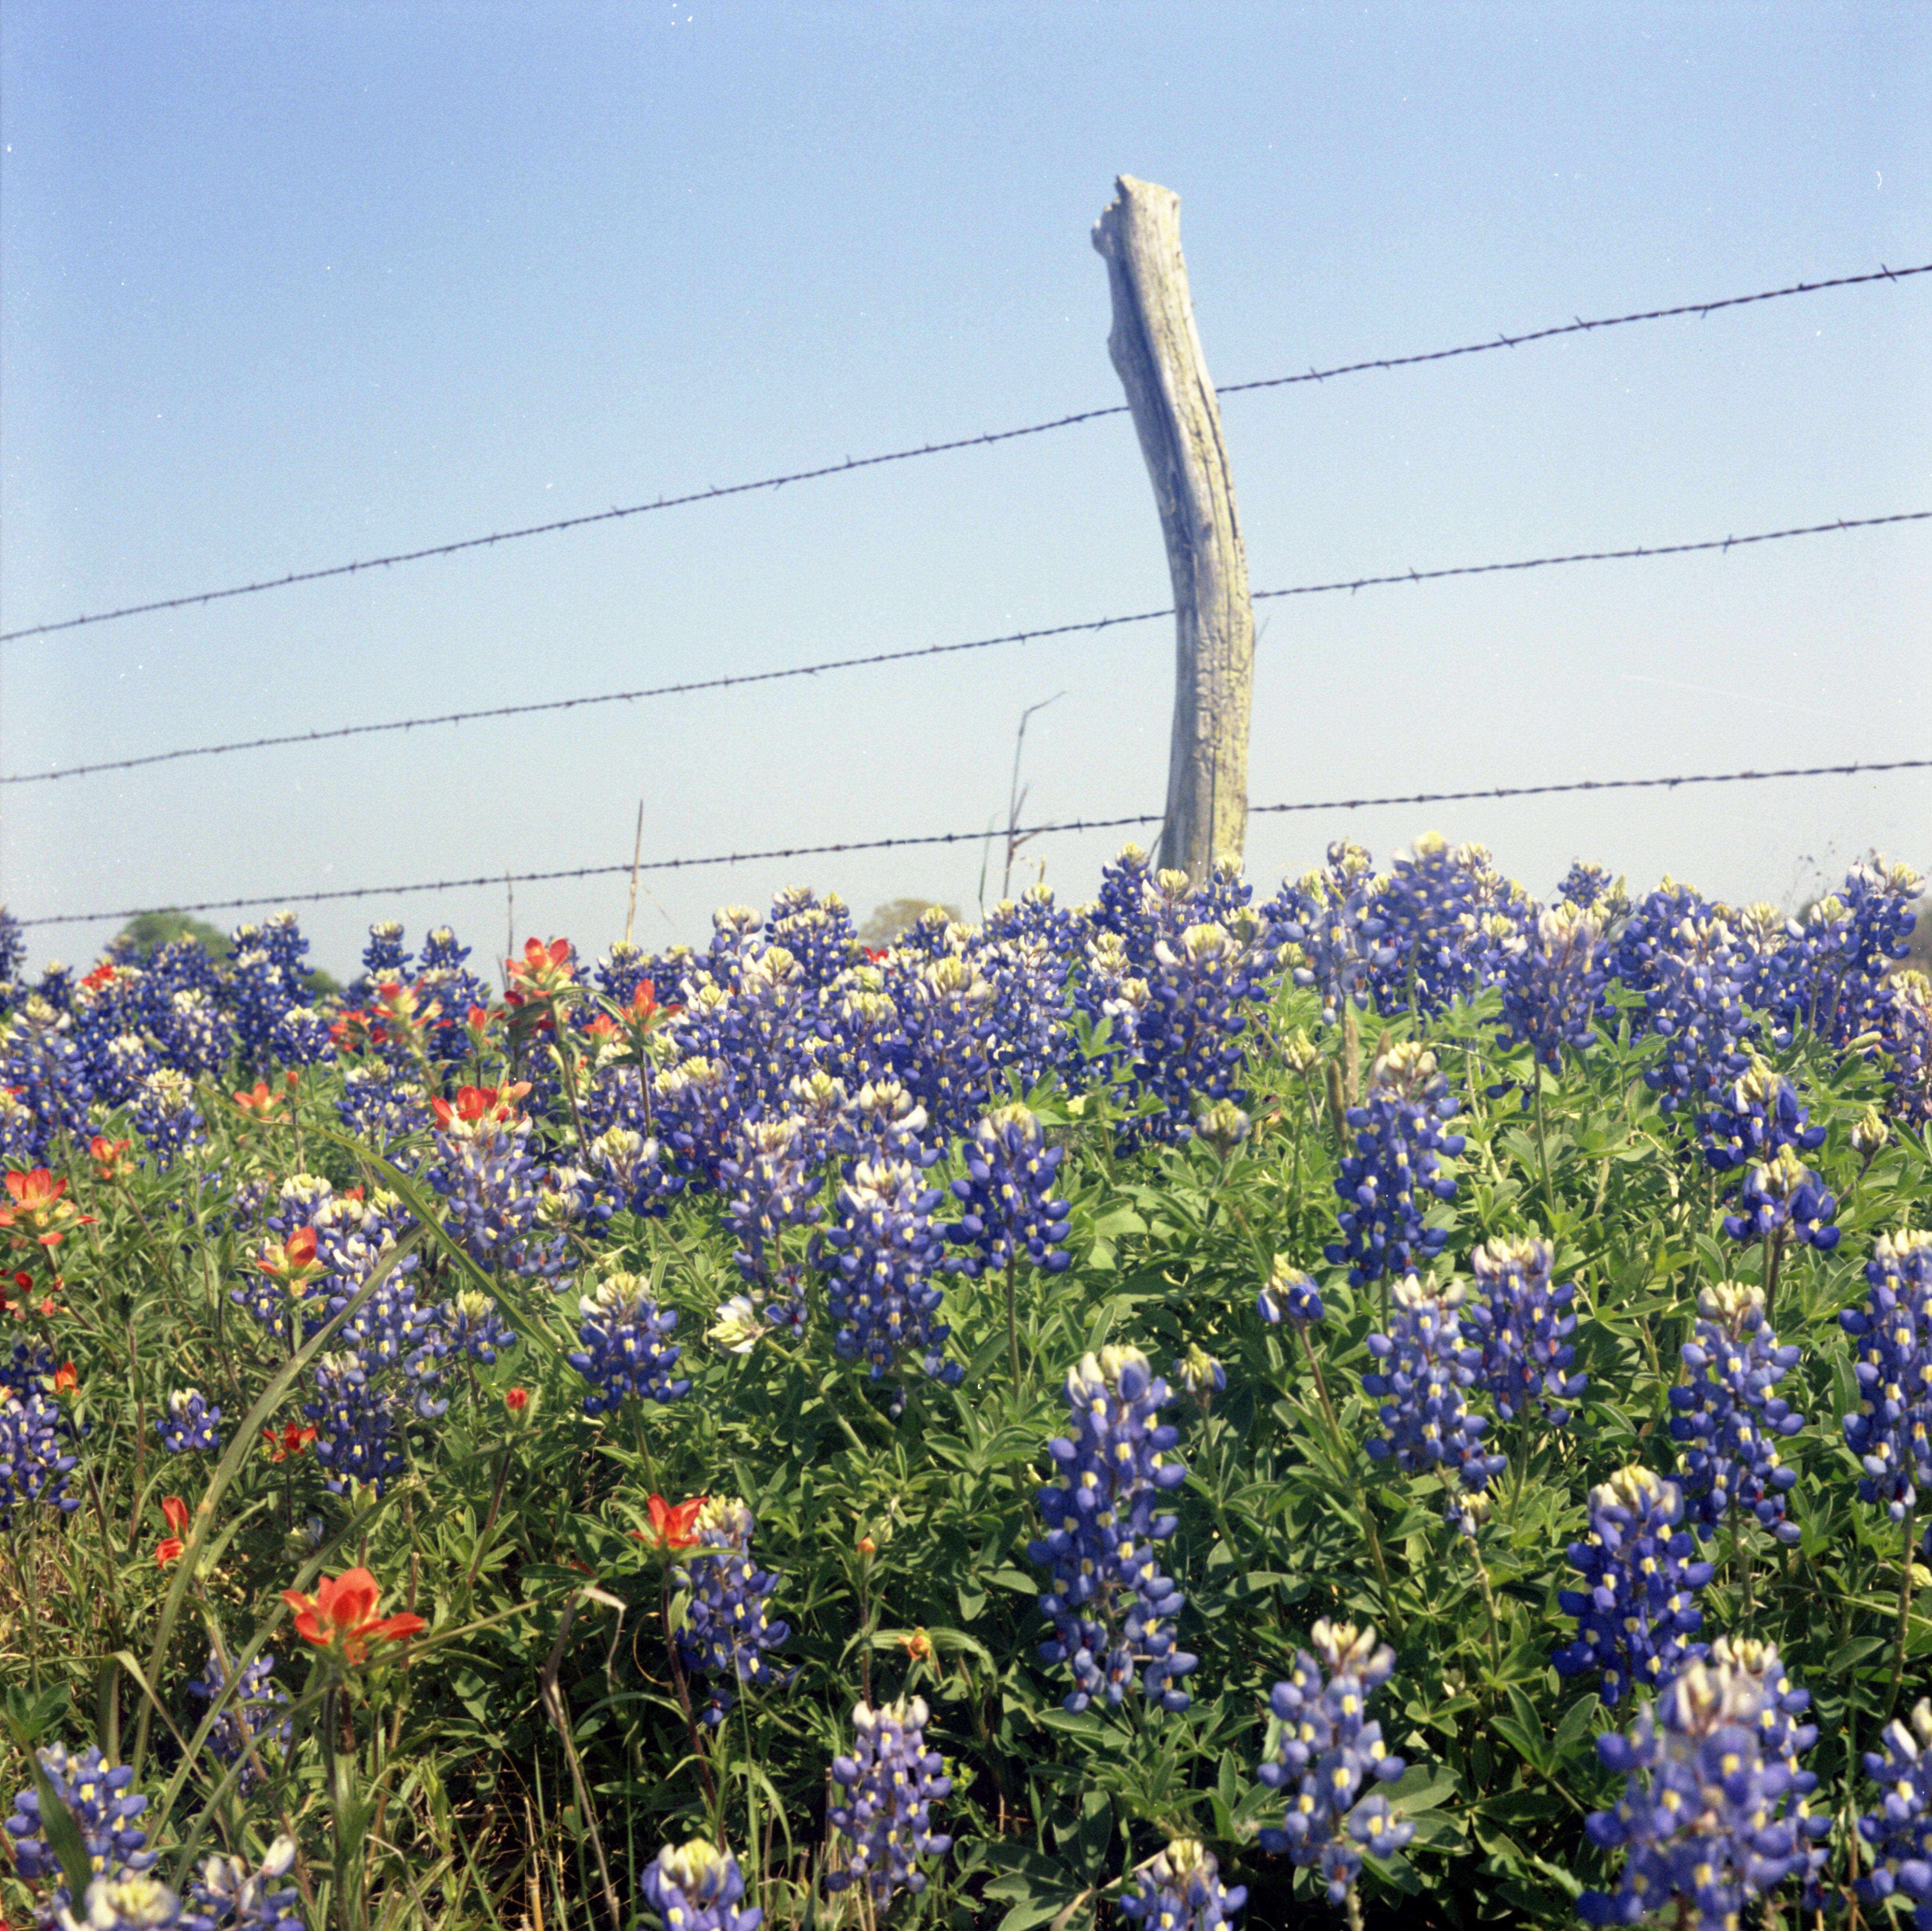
<point>1328,931</point>
<point>1640,1602</point>
<point>188,1422</point>
<point>1007,1193</point>
<point>122,1904</point>
<point>227,1895</point>
<point>1522,1326</point>
<point>727,1631</point>
<point>1419,1380</point>
<point>1899,1831</point>
<point>624,1350</point>
<point>891,1781</point>
<point>1713,1812</point>
<point>1728,1415</point>
<point>1782,1196</point>
<point>1393,1173</point>
<point>1587,885</point>
<point>1891,1335</point>
<point>1180,1888</point>
<point>165,1116</point>
<point>250,1715</point>
<point>1113,1611</point>
<point>476,1324</point>
<point>1290,1295</point>
<point>1322,1751</point>
<point>696,1887</point>
<point>886,1247</point>
<point>97,1793</point>
<point>1200,1375</point>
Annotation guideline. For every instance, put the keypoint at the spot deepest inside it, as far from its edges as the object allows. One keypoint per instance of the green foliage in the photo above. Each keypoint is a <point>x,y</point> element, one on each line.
<point>892,920</point>
<point>537,1735</point>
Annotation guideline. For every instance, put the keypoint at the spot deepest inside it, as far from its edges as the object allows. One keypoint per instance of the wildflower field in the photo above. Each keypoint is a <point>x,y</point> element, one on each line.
<point>1395,1403</point>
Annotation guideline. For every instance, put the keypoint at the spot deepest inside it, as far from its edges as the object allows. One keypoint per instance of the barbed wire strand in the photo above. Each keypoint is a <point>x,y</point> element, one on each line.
<point>976,836</point>
<point>736,679</point>
<point>851,463</point>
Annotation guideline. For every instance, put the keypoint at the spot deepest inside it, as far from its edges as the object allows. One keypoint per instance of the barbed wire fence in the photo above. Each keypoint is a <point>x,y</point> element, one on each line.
<point>851,465</point>
<point>1128,821</point>
<point>737,680</point>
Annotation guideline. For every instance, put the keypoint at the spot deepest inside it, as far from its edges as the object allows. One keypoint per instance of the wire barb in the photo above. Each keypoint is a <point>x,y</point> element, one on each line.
<point>973,836</point>
<point>732,680</point>
<point>620,512</point>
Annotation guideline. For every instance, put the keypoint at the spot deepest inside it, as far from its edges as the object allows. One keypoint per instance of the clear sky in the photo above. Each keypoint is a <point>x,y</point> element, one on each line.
<point>285,286</point>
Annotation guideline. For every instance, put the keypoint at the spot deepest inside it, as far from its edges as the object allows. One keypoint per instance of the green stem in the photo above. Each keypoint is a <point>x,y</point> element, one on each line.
<point>1543,1150</point>
<point>1905,1566</point>
<point>1012,1325</point>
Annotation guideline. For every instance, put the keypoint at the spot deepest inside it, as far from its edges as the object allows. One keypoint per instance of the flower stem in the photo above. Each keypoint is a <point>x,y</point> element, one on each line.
<point>1905,1567</point>
<point>677,1677</point>
<point>1012,1324</point>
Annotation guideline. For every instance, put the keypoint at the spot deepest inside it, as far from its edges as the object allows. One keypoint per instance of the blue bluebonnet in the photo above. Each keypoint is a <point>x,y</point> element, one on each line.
<point>165,1116</point>
<point>697,1105</point>
<point>1692,977</point>
<point>300,1036</point>
<point>630,1169</point>
<point>1898,1830</point>
<point>727,1631</point>
<point>1203,983</point>
<point>1639,1565</point>
<point>1589,886</point>
<point>386,961</point>
<point>1420,1383</point>
<point>1200,1375</point>
<point>1113,1611</point>
<point>1713,1812</point>
<point>1322,1751</point>
<point>33,1466</point>
<point>96,1792</point>
<point>945,1009</point>
<point>254,1714</point>
<point>696,1887</point>
<point>486,1171</point>
<point>355,1416</point>
<point>1290,1295</point>
<point>1007,1192</point>
<point>380,1105</point>
<point>47,1070</point>
<point>1180,1888</point>
<point>1393,1175</point>
<point>188,1422</point>
<point>475,1323</point>
<point>766,1191</point>
<point>1833,977</point>
<point>885,1249</point>
<point>1327,933</point>
<point>127,1903</point>
<point>1783,1198</point>
<point>625,1351</point>
<point>1908,1049</point>
<point>1891,1338</point>
<point>1522,1326</point>
<point>1433,905</point>
<point>195,1033</point>
<point>1551,976</point>
<point>1728,1416</point>
<point>891,1781</point>
<point>1756,1114</point>
<point>228,1894</point>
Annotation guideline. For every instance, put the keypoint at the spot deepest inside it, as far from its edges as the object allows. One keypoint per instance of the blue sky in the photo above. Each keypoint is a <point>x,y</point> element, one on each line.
<point>288,286</point>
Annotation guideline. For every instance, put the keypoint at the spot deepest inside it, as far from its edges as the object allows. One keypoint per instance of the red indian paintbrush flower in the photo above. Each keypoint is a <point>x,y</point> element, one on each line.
<point>291,1261</point>
<point>110,1156</point>
<point>259,1103</point>
<point>672,1525</point>
<point>341,1616</point>
<point>36,1199</point>
<point>289,1439</point>
<point>174,1513</point>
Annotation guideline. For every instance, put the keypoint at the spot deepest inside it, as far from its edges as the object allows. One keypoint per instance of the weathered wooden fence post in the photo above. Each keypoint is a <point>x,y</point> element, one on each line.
<point>1156,350</point>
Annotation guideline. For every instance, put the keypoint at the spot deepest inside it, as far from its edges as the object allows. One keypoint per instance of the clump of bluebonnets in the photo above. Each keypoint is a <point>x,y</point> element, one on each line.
<point>1783,1200</point>
<point>97,1793</point>
<point>1758,1113</point>
<point>1113,1610</point>
<point>881,1256</point>
<point>1551,977</point>
<point>626,1351</point>
<point>696,1887</point>
<point>1642,1576</point>
<point>252,1716</point>
<point>1727,1415</point>
<point>727,1630</point>
<point>228,1894</point>
<point>1010,1215</point>
<point>1891,1338</point>
<point>1899,1830</point>
<point>890,1782</point>
<point>1180,1888</point>
<point>1324,1751</point>
<point>34,1465</point>
<point>187,1423</point>
<point>1420,1383</point>
<point>1393,1175</point>
<point>1713,1811</point>
<point>1290,1295</point>
<point>1522,1326</point>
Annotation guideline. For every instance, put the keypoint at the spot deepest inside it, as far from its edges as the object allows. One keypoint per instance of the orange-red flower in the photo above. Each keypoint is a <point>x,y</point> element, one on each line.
<point>36,1198</point>
<point>259,1103</point>
<point>291,1261</point>
<point>644,1013</point>
<point>289,1439</point>
<point>110,1156</point>
<point>340,1616</point>
<point>542,972</point>
<point>476,1103</point>
<point>174,1512</point>
<point>673,1526</point>
<point>516,1399</point>
<point>66,1378</point>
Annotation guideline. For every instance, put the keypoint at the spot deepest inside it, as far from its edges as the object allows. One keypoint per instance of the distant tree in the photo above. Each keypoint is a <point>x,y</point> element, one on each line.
<point>895,916</point>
